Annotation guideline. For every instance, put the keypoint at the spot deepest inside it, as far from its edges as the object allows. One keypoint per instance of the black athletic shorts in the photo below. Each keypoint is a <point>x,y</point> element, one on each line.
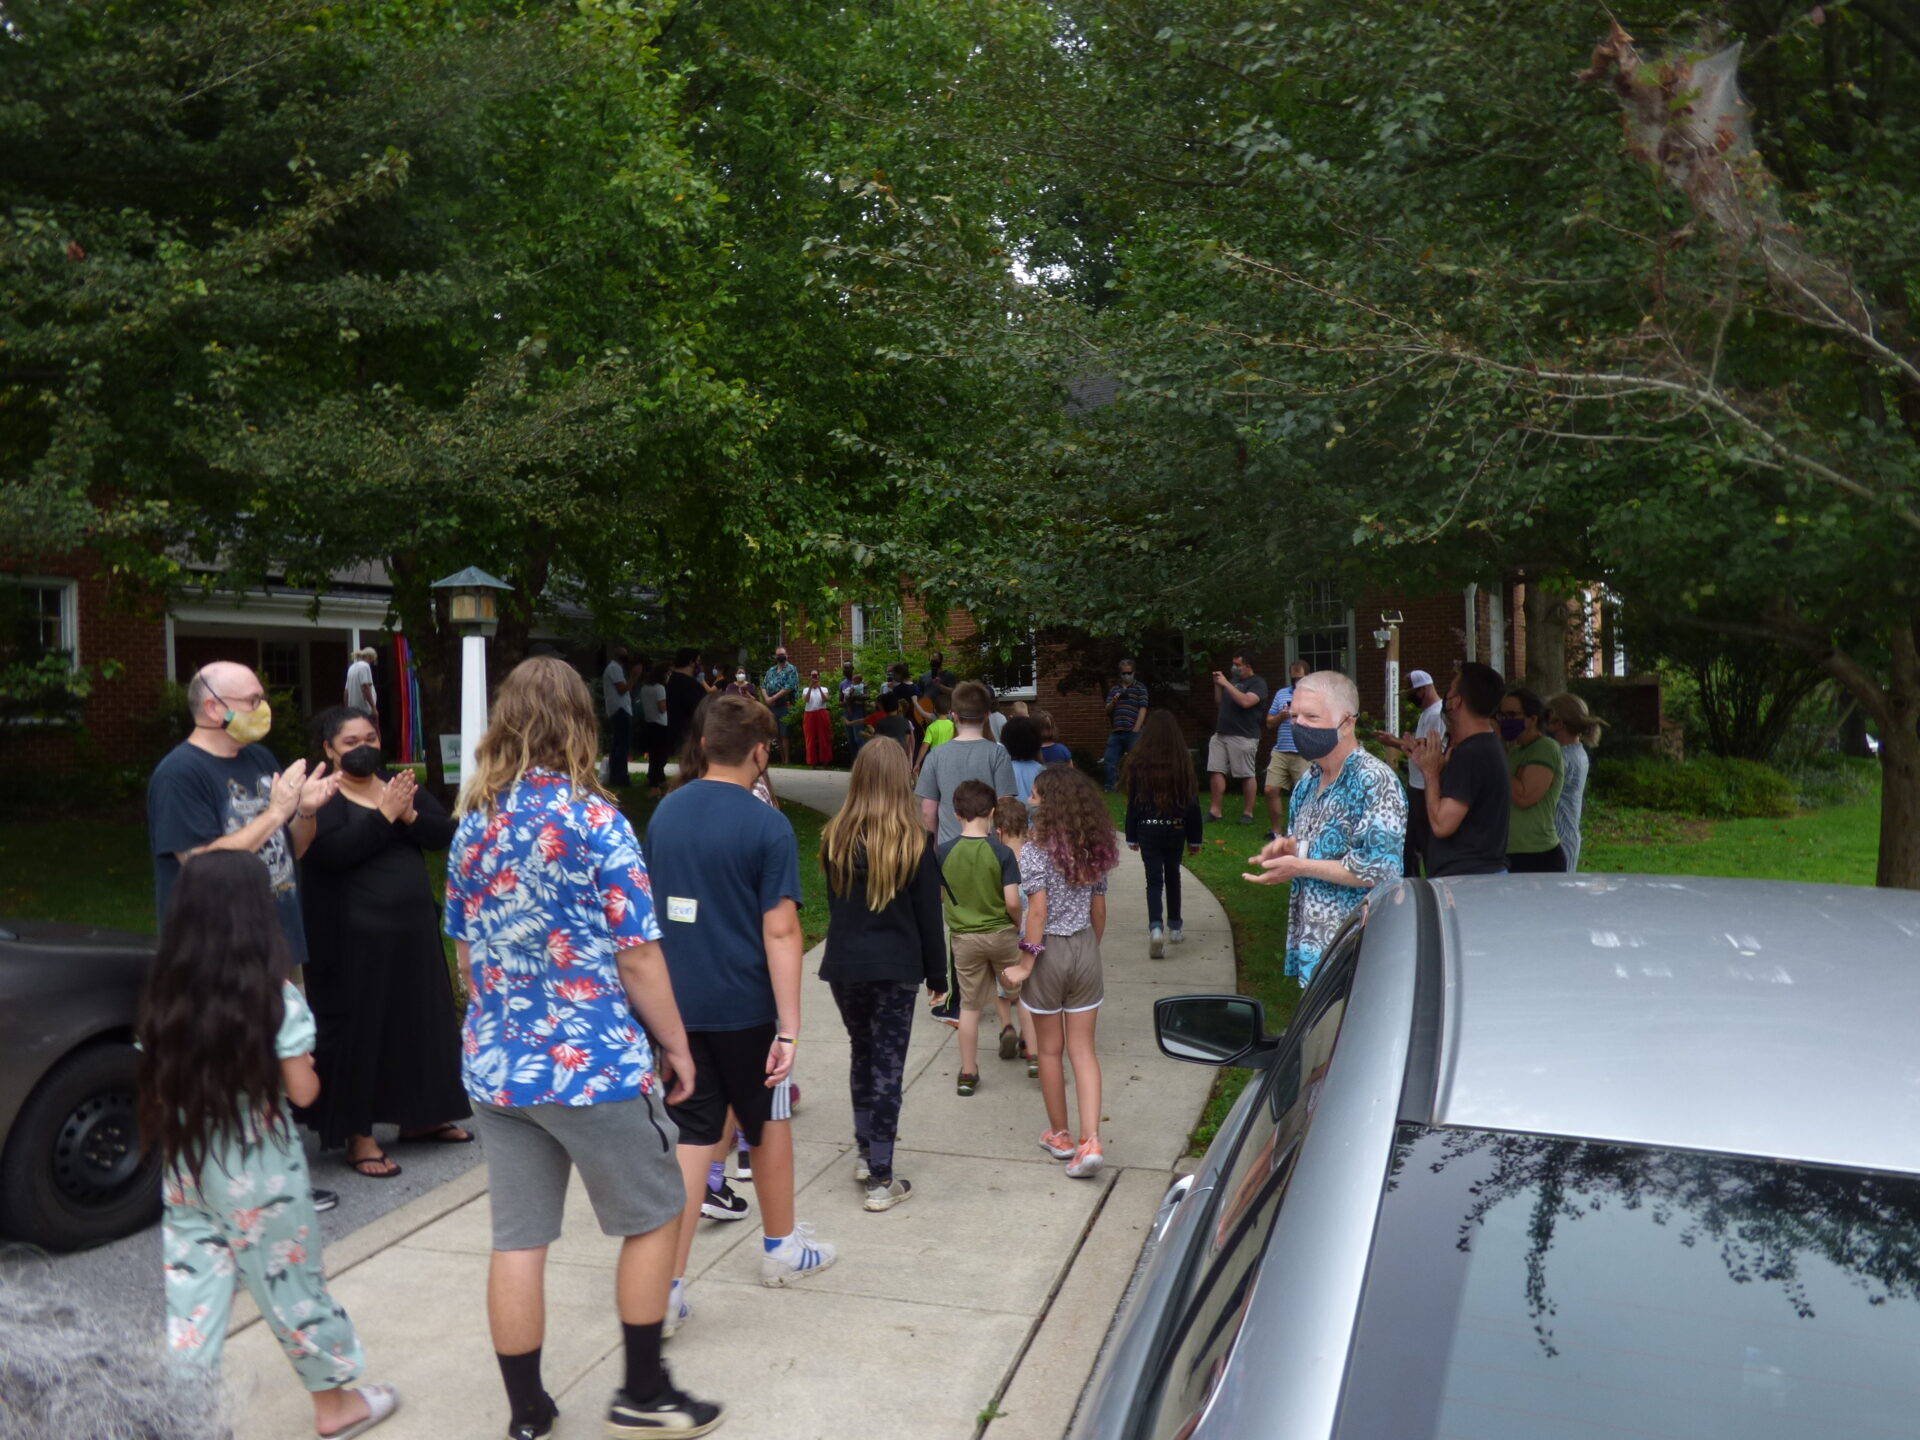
<point>730,1069</point>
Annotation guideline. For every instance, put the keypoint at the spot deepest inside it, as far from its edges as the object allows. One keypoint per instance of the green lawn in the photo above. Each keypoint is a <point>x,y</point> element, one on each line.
<point>98,872</point>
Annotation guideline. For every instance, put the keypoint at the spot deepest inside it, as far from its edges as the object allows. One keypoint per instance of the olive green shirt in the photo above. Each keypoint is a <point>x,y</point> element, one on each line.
<point>1530,831</point>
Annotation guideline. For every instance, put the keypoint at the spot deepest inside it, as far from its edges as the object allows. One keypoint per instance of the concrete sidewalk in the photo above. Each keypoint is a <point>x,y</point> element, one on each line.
<point>990,1290</point>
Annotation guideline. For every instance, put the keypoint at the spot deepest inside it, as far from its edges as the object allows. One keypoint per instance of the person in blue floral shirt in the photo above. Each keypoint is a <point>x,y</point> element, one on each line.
<point>551,910</point>
<point>1347,822</point>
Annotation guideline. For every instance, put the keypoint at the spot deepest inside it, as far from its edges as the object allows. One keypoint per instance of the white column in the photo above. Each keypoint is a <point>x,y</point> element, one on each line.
<point>473,698</point>
<point>1473,625</point>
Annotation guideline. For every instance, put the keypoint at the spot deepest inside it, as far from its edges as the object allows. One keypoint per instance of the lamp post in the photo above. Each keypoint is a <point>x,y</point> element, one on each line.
<point>1388,638</point>
<point>473,606</point>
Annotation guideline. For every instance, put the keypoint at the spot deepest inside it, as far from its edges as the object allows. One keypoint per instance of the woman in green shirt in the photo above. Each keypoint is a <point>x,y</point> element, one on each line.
<point>1539,774</point>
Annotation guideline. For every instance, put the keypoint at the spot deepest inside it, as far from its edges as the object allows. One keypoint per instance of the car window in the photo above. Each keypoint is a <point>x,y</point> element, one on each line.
<point>1527,1285</point>
<point>1248,1199</point>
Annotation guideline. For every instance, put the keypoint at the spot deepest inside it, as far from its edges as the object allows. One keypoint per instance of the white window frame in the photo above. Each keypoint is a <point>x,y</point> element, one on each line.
<point>1029,691</point>
<point>69,589</point>
<point>878,620</point>
<point>1294,629</point>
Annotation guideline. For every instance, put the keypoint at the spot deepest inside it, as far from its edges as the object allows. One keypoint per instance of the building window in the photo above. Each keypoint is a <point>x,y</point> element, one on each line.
<point>1163,660</point>
<point>1322,630</point>
<point>881,625</point>
<point>280,665</point>
<point>38,618</point>
<point>1011,667</point>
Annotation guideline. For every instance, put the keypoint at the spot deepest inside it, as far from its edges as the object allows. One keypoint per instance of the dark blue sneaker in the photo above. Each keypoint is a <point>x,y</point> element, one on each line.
<point>668,1413</point>
<point>536,1428</point>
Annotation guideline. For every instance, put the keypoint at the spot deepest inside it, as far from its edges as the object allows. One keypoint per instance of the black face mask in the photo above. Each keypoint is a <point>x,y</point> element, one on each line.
<point>361,761</point>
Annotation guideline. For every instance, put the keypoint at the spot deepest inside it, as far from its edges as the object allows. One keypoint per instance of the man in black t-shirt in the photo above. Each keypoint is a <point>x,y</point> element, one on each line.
<point>684,694</point>
<point>1468,795</point>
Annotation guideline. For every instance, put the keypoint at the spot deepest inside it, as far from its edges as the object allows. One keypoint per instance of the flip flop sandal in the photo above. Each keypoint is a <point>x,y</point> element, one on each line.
<point>445,1133</point>
<point>379,1157</point>
<point>382,1401</point>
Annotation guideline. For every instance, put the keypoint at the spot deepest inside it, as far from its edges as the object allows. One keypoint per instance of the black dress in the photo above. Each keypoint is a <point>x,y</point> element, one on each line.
<point>389,1042</point>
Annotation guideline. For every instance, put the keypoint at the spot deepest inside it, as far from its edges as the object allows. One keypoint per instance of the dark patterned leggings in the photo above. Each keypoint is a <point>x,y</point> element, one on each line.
<point>878,1015</point>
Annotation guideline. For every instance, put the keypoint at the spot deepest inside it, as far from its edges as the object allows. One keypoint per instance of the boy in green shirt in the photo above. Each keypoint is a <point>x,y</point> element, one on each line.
<point>982,905</point>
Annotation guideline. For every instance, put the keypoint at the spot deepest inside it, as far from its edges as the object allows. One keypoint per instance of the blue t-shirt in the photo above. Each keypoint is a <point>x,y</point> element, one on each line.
<point>1283,736</point>
<point>196,797</point>
<point>721,859</point>
<point>546,892</point>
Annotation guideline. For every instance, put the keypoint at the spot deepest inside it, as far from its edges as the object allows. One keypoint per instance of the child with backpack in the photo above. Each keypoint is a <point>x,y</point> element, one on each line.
<point>983,915</point>
<point>1163,820</point>
<point>225,1042</point>
<point>1063,873</point>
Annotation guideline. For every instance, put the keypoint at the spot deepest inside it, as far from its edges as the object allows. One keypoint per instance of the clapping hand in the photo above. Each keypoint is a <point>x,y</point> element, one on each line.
<point>318,788</point>
<point>1428,754</point>
<point>1278,862</point>
<point>396,800</point>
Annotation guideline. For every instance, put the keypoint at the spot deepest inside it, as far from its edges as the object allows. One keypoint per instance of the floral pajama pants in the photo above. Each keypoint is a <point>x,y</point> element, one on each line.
<point>251,1220</point>
<point>878,1015</point>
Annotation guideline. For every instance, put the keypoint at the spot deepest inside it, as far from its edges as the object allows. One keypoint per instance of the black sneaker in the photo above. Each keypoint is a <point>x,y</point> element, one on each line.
<point>325,1199</point>
<point>724,1204</point>
<point>535,1429</point>
<point>668,1413</point>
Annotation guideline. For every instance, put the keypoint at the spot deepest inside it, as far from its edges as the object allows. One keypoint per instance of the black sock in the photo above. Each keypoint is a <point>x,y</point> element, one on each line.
<point>645,1378</point>
<point>526,1396</point>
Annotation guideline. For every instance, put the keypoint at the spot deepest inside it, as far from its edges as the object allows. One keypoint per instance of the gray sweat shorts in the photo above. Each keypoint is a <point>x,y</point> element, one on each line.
<point>624,1150</point>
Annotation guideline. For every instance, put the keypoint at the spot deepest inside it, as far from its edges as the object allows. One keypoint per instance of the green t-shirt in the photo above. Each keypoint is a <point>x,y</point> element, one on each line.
<point>939,732</point>
<point>977,869</point>
<point>1531,830</point>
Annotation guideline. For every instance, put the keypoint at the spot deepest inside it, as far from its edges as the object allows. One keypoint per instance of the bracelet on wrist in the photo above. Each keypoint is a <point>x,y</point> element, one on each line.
<point>785,1040</point>
<point>1030,948</point>
<point>305,814</point>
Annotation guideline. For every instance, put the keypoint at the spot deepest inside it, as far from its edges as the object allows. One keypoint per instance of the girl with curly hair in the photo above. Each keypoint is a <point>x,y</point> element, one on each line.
<point>1063,873</point>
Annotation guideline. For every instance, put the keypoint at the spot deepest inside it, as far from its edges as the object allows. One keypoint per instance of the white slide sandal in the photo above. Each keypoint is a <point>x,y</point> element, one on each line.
<point>382,1401</point>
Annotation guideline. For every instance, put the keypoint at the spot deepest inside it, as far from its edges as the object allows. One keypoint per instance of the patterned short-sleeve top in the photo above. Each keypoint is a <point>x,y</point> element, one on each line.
<point>1359,820</point>
<point>1069,906</point>
<point>547,892</point>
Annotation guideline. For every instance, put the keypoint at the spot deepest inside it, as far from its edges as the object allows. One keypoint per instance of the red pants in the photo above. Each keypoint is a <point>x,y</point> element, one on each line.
<point>818,728</point>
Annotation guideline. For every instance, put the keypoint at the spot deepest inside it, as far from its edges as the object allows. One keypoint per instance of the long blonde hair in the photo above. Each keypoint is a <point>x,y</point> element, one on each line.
<point>881,818</point>
<point>542,717</point>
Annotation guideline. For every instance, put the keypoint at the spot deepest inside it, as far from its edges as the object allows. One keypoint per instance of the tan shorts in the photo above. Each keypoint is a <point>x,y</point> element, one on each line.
<point>1067,975</point>
<point>978,960</point>
<point>1231,755</point>
<point>1284,769</point>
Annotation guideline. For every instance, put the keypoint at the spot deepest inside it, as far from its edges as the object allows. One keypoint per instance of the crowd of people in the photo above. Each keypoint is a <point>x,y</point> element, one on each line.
<point>633,1012</point>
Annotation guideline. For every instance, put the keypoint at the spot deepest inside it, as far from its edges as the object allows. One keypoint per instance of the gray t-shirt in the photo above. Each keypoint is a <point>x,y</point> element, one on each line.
<point>1242,720</point>
<point>618,701</point>
<point>946,766</point>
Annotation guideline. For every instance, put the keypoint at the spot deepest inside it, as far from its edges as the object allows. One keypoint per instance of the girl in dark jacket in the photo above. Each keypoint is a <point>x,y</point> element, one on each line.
<point>885,938</point>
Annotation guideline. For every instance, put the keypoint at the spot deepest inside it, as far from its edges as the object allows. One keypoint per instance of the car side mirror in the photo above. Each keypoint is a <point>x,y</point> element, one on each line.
<point>1212,1029</point>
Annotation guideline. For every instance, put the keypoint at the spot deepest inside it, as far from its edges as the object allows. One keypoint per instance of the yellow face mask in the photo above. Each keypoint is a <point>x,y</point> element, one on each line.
<point>247,726</point>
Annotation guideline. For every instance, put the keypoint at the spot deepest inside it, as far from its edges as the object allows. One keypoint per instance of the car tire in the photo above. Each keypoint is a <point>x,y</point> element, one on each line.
<point>73,1174</point>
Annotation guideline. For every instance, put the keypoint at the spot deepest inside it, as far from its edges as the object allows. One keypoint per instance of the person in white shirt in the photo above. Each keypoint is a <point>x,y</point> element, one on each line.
<point>360,691</point>
<point>616,686</point>
<point>655,730</point>
<point>1432,722</point>
<point>816,721</point>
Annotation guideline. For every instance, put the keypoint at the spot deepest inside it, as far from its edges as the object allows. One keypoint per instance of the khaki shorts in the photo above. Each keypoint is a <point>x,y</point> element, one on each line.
<point>1067,975</point>
<point>1284,769</point>
<point>978,960</point>
<point>1231,755</point>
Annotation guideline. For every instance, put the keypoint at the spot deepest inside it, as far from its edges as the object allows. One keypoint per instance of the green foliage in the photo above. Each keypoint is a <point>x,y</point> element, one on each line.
<point>1710,787</point>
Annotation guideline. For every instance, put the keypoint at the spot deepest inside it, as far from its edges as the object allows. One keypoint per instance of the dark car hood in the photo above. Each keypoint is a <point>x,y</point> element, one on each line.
<point>58,936</point>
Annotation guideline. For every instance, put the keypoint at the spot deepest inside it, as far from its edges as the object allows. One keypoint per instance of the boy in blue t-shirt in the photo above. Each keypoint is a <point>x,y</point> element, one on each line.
<point>726,887</point>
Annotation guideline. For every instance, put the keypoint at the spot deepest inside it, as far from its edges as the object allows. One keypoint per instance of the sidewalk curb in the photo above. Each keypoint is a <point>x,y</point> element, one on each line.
<point>381,1234</point>
<point>1044,1384</point>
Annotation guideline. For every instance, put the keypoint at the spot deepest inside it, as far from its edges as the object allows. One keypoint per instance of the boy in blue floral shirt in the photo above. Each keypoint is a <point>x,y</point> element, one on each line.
<point>551,909</point>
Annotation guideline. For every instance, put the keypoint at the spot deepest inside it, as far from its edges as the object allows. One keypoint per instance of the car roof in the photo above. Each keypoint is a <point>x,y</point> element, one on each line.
<point>1746,1016</point>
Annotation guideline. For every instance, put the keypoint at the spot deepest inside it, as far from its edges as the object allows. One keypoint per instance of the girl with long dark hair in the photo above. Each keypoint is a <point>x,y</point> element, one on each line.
<point>225,1042</point>
<point>1063,873</point>
<point>389,1049</point>
<point>1163,820</point>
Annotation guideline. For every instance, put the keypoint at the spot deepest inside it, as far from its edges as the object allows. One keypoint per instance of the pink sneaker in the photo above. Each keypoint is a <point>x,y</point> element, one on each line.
<point>1087,1160</point>
<point>1058,1143</point>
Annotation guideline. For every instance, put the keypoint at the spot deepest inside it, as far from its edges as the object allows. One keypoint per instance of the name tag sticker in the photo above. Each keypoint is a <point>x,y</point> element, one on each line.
<point>680,908</point>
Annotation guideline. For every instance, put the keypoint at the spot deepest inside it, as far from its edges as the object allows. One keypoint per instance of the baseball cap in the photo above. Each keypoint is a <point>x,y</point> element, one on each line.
<point>1417,678</point>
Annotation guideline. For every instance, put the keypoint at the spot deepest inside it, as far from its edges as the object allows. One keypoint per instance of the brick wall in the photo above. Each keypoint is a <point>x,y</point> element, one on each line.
<point>117,621</point>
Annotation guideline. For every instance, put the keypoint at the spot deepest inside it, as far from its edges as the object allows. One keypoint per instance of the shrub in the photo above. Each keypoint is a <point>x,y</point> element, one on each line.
<point>1830,779</point>
<point>1711,787</point>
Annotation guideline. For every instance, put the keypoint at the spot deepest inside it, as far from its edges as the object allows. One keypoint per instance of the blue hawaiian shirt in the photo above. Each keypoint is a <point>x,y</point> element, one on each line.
<point>1359,820</point>
<point>547,891</point>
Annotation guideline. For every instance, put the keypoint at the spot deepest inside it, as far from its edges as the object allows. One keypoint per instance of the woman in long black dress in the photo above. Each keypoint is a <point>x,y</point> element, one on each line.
<point>389,1046</point>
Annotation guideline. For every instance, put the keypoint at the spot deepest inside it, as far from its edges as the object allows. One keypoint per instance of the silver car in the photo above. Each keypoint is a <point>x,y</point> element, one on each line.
<point>1551,1156</point>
